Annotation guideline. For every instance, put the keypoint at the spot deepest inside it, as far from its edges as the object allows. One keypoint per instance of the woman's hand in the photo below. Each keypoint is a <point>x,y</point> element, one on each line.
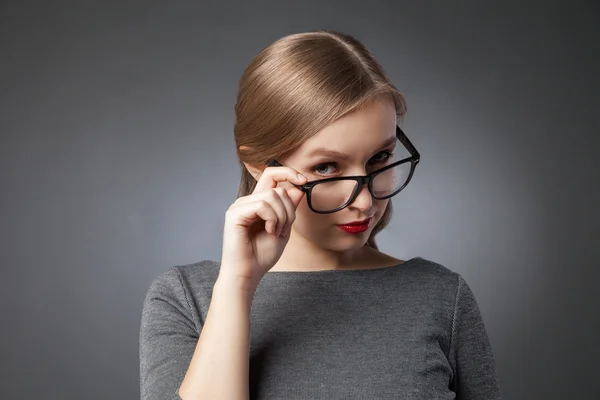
<point>257,226</point>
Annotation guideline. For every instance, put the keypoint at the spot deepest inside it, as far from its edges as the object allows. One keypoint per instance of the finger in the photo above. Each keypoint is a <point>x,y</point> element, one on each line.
<point>264,194</point>
<point>293,192</point>
<point>272,175</point>
<point>296,195</point>
<point>290,209</point>
<point>248,214</point>
<point>273,197</point>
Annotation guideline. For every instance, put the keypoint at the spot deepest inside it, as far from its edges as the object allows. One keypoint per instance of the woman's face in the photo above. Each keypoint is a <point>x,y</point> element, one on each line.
<point>356,144</point>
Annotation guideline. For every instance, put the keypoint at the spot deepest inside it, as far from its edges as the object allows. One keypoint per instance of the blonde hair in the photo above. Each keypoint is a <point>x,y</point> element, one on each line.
<point>297,86</point>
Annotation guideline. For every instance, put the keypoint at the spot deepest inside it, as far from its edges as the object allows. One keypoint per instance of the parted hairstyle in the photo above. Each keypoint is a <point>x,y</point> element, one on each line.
<point>297,86</point>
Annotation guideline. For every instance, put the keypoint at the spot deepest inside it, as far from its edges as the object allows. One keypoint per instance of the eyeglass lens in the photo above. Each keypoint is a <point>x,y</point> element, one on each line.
<point>328,196</point>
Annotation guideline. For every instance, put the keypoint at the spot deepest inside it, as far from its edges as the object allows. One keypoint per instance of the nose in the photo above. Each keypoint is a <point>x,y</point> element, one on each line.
<point>364,200</point>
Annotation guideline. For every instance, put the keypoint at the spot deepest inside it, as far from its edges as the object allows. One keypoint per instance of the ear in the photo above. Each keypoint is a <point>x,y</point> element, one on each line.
<point>254,170</point>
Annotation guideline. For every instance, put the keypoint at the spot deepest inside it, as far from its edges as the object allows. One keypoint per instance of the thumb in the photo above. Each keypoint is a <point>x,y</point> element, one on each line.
<point>296,196</point>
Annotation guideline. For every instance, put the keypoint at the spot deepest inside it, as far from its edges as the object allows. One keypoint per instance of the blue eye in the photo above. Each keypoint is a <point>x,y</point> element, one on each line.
<point>323,171</point>
<point>324,168</point>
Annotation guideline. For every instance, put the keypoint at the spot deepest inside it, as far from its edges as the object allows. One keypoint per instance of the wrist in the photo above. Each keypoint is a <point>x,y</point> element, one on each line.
<point>227,281</point>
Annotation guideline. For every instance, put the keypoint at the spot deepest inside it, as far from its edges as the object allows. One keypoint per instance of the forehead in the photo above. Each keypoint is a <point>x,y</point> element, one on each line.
<point>358,133</point>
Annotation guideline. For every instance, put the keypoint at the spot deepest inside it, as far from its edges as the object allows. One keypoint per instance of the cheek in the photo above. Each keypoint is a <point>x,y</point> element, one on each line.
<point>380,205</point>
<point>308,221</point>
<point>304,215</point>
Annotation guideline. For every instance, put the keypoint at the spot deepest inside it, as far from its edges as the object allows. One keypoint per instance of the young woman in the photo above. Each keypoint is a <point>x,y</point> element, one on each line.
<point>302,304</point>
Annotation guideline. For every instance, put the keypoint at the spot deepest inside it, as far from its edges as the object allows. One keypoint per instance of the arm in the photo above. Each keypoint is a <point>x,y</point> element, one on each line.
<point>178,362</point>
<point>471,356</point>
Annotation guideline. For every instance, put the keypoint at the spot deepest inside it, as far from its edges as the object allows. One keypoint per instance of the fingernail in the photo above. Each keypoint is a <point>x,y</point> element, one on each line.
<point>301,177</point>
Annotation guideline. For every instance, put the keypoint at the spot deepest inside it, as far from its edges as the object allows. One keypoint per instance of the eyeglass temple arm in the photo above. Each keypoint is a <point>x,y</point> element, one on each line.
<point>404,140</point>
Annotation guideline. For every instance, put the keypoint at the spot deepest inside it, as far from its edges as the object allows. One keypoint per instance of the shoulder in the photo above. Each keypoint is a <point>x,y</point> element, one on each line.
<point>181,291</point>
<point>196,275</point>
<point>440,282</point>
<point>184,282</point>
<point>431,272</point>
<point>431,283</point>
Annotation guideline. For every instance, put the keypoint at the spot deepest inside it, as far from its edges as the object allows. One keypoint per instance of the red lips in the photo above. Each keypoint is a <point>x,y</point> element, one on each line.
<point>355,226</point>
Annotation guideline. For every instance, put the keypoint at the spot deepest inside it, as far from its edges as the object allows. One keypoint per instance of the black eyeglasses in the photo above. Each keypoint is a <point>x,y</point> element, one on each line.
<point>329,195</point>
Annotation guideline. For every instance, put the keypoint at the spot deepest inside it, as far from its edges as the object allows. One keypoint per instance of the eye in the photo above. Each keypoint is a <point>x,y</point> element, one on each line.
<point>323,169</point>
<point>381,157</point>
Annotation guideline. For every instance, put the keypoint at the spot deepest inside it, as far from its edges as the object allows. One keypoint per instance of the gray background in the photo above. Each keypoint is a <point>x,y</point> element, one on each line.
<point>117,161</point>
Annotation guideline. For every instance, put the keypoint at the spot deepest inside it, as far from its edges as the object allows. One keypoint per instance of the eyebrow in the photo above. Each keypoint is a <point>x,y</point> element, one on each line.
<point>328,153</point>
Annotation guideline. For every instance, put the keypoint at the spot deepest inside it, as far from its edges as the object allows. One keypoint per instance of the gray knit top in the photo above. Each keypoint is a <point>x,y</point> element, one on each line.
<point>411,331</point>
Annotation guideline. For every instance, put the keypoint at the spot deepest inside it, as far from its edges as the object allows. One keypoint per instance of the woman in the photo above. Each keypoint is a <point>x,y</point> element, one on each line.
<point>302,304</point>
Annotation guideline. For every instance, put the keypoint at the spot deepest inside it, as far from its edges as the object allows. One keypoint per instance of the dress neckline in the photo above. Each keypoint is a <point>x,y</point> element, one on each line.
<point>340,271</point>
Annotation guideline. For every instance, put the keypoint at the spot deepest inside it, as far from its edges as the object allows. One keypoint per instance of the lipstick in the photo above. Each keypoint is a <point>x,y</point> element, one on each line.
<point>355,227</point>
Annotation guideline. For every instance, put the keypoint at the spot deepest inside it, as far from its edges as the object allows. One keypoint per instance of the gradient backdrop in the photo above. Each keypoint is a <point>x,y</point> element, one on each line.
<point>117,161</point>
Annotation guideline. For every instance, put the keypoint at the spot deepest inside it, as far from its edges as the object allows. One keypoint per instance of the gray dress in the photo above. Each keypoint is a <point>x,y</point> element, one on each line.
<point>411,331</point>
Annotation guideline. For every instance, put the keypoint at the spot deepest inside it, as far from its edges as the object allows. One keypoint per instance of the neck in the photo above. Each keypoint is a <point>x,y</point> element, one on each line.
<point>301,254</point>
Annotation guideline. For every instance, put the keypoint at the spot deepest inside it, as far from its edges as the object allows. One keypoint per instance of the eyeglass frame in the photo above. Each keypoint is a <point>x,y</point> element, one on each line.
<point>362,180</point>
